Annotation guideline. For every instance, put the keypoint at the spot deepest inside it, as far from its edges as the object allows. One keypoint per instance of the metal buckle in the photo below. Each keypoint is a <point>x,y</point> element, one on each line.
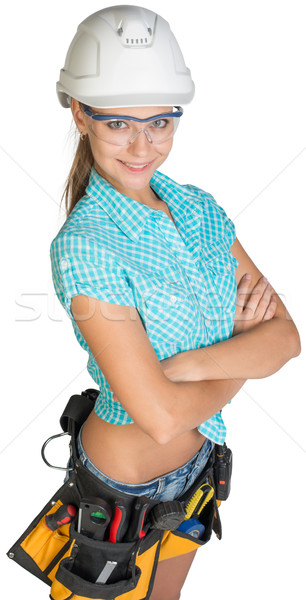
<point>53,437</point>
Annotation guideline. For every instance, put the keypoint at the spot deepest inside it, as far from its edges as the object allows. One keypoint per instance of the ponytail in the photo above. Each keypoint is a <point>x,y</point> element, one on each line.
<point>78,177</point>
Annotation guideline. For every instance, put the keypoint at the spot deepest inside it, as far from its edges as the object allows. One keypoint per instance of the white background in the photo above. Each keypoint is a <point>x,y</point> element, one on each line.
<point>243,140</point>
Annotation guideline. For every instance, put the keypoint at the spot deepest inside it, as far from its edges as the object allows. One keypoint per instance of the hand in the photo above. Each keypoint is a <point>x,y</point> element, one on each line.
<point>253,305</point>
<point>176,367</point>
<point>182,366</point>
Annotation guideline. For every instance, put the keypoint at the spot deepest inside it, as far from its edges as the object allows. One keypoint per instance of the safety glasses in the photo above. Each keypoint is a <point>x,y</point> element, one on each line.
<point>122,130</point>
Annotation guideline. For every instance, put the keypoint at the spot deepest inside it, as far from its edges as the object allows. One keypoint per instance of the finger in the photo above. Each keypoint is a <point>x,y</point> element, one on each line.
<point>263,303</point>
<point>243,292</point>
<point>256,295</point>
<point>271,310</point>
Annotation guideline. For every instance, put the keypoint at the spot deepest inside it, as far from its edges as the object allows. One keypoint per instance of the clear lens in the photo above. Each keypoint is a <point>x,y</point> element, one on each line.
<point>123,132</point>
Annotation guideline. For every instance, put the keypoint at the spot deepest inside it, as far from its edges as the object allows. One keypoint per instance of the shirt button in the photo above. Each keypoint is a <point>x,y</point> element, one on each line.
<point>64,264</point>
<point>173,299</point>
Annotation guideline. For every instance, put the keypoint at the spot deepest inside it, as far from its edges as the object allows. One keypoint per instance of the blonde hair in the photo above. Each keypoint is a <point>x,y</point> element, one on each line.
<point>78,177</point>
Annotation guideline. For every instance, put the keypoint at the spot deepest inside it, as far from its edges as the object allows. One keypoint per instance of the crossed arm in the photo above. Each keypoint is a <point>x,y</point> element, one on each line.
<point>264,336</point>
<point>166,399</point>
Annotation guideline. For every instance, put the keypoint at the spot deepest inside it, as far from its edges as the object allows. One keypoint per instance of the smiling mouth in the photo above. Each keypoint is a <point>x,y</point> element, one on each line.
<point>135,166</point>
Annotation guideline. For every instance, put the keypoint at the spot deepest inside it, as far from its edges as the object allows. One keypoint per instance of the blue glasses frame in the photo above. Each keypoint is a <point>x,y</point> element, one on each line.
<point>98,117</point>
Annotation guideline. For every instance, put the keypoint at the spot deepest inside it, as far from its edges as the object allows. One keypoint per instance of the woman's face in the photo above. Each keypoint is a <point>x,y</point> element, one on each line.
<point>128,168</point>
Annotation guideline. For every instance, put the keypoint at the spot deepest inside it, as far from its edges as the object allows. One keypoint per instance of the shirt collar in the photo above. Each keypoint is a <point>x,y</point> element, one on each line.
<point>128,214</point>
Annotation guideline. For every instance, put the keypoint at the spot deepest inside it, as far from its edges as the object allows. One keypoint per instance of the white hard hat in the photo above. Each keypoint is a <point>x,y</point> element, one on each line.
<point>125,56</point>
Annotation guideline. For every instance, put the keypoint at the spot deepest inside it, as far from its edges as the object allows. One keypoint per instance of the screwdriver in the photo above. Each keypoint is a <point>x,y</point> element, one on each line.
<point>62,516</point>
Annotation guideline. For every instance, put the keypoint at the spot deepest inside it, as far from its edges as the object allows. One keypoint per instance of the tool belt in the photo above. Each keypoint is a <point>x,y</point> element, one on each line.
<point>57,549</point>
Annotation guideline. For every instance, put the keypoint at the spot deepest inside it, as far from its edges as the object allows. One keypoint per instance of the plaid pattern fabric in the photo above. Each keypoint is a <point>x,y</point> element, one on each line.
<point>180,278</point>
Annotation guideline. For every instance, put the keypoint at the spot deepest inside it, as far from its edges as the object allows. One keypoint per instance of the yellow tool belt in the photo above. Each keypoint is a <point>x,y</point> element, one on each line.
<point>79,567</point>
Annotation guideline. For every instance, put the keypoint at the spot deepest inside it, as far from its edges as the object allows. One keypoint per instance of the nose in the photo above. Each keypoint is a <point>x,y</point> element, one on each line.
<point>147,135</point>
<point>140,146</point>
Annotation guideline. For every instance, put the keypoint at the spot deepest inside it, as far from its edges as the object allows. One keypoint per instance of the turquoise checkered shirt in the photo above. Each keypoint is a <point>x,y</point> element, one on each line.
<point>181,279</point>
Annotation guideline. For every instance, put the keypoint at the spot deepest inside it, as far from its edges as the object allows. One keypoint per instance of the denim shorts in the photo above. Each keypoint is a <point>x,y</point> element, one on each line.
<point>167,487</point>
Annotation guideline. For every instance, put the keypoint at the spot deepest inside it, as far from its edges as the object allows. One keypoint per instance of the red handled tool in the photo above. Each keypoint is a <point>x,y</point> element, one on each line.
<point>62,516</point>
<point>118,523</point>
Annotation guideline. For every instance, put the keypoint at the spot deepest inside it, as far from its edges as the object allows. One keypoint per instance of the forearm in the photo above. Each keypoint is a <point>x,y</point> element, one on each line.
<point>256,353</point>
<point>194,402</point>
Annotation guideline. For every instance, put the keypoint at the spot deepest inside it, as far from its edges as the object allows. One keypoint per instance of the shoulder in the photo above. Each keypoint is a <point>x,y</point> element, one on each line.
<point>215,220</point>
<point>85,218</point>
<point>77,254</point>
<point>82,232</point>
<point>80,249</point>
<point>205,199</point>
<point>216,223</point>
<point>189,191</point>
<point>214,216</point>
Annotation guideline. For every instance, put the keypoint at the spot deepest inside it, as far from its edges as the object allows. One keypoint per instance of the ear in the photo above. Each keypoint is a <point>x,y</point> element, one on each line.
<point>79,117</point>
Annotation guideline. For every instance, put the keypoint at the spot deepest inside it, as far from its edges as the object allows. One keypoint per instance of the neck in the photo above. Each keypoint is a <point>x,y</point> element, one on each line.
<point>145,196</point>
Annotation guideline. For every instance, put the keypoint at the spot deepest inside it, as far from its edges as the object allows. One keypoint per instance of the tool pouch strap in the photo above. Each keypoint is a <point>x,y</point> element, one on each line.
<point>77,410</point>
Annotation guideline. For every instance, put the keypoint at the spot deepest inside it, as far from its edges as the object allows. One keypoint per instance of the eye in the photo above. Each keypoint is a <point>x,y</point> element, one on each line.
<point>160,123</point>
<point>116,125</point>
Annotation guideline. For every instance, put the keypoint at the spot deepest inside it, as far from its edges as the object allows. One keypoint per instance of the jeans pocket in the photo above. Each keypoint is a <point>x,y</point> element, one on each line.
<point>170,492</point>
<point>194,473</point>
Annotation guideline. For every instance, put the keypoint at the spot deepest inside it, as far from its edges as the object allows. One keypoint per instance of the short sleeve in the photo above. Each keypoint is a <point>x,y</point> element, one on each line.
<point>80,266</point>
<point>223,225</point>
<point>219,225</point>
<point>229,230</point>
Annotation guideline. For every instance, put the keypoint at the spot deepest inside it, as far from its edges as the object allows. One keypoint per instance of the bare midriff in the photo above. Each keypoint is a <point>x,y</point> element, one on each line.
<point>127,454</point>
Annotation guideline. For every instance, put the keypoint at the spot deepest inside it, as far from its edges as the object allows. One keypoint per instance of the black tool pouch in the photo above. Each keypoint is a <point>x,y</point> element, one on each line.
<point>132,577</point>
<point>70,562</point>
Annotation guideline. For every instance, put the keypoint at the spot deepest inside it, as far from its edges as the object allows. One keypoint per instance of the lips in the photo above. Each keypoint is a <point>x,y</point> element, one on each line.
<point>132,166</point>
<point>136,167</point>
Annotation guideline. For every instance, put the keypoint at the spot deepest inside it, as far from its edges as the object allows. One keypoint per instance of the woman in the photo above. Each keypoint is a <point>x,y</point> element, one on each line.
<point>148,270</point>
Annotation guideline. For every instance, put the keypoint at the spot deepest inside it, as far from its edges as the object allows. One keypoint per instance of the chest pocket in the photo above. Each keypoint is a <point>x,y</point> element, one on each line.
<point>169,308</point>
<point>218,263</point>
